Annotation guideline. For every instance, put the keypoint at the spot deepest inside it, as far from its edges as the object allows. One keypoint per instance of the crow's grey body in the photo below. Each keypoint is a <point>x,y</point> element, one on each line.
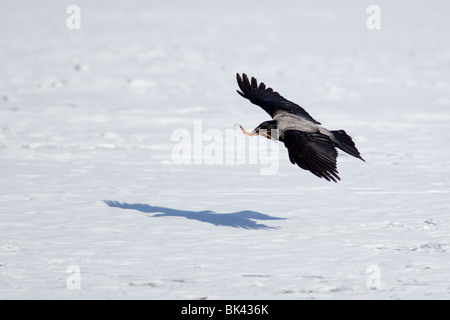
<point>288,121</point>
<point>310,146</point>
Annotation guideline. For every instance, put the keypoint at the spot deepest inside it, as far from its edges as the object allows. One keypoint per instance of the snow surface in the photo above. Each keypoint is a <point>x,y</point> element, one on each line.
<point>86,124</point>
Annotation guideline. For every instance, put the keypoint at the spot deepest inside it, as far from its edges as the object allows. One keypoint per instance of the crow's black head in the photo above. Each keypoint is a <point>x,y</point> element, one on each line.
<point>268,129</point>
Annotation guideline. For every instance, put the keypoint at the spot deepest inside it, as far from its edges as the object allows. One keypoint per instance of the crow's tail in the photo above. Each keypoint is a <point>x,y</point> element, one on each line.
<point>345,143</point>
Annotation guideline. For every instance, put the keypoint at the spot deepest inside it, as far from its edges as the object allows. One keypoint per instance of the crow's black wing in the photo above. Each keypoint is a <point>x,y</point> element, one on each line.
<point>312,151</point>
<point>268,99</point>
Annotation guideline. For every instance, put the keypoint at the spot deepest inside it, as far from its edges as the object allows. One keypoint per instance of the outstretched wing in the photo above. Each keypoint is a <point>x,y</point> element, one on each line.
<point>268,99</point>
<point>312,151</point>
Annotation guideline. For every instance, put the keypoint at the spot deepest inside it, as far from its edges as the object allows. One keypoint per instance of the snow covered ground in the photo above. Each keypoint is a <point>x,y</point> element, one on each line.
<point>92,205</point>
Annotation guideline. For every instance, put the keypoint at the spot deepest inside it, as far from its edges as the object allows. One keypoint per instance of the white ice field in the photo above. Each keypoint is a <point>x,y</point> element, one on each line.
<point>93,205</point>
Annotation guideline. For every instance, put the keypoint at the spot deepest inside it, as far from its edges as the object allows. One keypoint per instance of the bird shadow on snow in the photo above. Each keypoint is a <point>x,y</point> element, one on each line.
<point>241,219</point>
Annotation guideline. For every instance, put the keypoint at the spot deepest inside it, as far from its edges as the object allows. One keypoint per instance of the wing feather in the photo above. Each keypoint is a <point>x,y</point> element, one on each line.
<point>314,152</point>
<point>269,100</point>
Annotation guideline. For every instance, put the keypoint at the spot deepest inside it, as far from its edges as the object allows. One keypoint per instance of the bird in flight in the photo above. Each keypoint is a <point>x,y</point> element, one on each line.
<point>310,146</point>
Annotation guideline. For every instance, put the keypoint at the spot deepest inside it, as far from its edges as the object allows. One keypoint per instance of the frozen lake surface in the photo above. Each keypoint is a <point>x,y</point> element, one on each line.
<point>92,205</point>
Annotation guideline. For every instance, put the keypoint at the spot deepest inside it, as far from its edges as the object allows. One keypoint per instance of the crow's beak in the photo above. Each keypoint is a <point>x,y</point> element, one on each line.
<point>254,133</point>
